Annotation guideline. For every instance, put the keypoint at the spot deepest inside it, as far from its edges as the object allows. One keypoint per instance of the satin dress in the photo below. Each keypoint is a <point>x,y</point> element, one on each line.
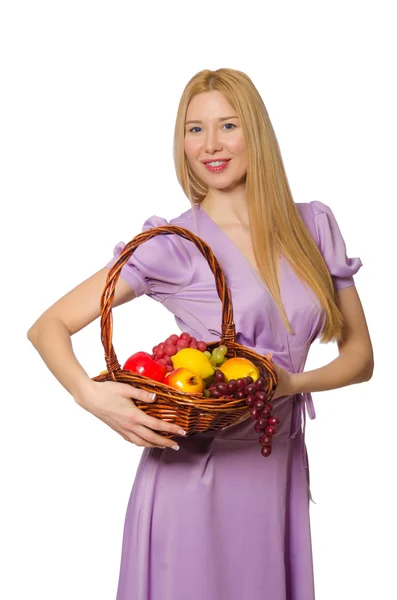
<point>216,520</point>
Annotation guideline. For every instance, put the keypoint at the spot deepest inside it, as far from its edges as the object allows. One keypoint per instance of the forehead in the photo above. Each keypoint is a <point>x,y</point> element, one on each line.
<point>208,105</point>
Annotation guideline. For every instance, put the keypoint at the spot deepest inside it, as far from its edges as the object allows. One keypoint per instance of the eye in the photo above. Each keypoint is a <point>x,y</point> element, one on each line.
<point>228,128</point>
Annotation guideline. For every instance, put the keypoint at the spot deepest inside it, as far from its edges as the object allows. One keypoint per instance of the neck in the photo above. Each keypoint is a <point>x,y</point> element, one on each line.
<point>227,207</point>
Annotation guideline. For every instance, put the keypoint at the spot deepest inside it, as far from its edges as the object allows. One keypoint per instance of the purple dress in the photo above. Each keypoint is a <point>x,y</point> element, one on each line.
<point>216,520</point>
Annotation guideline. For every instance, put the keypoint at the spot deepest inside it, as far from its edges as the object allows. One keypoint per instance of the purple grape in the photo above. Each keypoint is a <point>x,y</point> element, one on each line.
<point>266,450</point>
<point>270,430</point>
<point>249,379</point>
<point>260,383</point>
<point>259,405</point>
<point>250,389</point>
<point>240,394</point>
<point>231,386</point>
<point>266,440</point>
<point>215,393</point>
<point>221,387</point>
<point>262,422</point>
<point>219,376</point>
<point>241,384</point>
<point>250,400</point>
<point>254,412</point>
<point>261,396</point>
<point>257,429</point>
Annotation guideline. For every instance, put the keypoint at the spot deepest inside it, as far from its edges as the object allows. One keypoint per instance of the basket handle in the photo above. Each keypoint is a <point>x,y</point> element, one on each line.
<point>228,327</point>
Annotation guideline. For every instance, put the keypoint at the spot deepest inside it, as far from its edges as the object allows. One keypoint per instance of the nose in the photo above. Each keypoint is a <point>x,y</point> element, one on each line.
<point>212,142</point>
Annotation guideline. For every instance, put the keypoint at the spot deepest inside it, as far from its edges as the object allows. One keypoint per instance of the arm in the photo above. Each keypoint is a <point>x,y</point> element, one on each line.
<point>108,401</point>
<point>51,333</point>
<point>355,363</point>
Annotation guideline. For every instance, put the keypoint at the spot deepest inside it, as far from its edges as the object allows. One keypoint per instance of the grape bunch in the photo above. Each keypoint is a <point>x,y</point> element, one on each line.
<point>255,397</point>
<point>218,355</point>
<point>163,351</point>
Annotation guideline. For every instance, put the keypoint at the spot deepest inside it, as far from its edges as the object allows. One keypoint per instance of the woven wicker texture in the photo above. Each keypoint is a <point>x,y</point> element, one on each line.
<point>193,412</point>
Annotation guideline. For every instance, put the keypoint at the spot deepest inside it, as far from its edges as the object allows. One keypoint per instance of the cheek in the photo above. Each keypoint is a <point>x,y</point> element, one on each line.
<point>238,147</point>
<point>191,148</point>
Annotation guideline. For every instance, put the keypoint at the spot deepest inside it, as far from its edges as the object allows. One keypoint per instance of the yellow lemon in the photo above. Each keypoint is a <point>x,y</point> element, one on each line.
<point>193,359</point>
<point>237,367</point>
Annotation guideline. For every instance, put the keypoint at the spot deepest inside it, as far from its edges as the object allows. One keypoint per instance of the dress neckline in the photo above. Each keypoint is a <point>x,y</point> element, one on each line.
<point>230,242</point>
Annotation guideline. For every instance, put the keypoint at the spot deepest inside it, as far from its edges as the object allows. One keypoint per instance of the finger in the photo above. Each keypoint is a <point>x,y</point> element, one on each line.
<point>155,438</point>
<point>150,424</point>
<point>131,437</point>
<point>137,393</point>
<point>139,417</point>
<point>139,441</point>
<point>160,425</point>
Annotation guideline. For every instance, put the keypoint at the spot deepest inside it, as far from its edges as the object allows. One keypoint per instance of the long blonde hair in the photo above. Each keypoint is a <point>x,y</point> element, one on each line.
<point>269,197</point>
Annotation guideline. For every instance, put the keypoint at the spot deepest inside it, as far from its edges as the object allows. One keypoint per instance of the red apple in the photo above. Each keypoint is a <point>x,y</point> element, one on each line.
<point>143,364</point>
<point>185,380</point>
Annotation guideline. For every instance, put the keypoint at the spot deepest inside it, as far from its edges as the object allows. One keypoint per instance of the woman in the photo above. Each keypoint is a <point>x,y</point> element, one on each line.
<point>217,520</point>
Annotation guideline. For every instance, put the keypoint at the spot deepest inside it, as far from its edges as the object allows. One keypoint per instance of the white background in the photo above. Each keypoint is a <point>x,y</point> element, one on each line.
<point>88,103</point>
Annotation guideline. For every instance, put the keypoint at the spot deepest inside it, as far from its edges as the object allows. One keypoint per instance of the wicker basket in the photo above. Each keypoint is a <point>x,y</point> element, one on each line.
<point>193,412</point>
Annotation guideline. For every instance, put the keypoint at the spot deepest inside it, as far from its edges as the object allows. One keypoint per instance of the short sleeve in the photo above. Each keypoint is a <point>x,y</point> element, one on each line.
<point>160,266</point>
<point>333,247</point>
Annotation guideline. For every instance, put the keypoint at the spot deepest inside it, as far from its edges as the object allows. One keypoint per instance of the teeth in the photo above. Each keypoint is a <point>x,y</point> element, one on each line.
<point>216,163</point>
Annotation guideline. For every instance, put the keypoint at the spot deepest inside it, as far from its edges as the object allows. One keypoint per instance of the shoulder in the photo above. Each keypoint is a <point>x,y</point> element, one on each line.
<point>172,245</point>
<point>306,212</point>
<point>315,207</point>
<point>183,220</point>
<point>319,218</point>
<point>327,234</point>
<point>310,210</point>
<point>159,266</point>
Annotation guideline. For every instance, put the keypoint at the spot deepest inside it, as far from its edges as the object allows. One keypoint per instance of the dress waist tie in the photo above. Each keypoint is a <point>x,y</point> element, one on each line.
<point>303,401</point>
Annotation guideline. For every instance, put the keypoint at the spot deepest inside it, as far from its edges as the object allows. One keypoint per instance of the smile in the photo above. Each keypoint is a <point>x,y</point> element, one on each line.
<point>217,165</point>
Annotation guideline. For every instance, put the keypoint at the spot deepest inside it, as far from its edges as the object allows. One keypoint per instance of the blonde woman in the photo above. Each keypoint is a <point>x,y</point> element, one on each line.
<point>215,520</point>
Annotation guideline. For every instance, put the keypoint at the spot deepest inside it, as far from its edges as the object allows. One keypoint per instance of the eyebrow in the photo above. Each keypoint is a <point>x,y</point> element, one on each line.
<point>221,119</point>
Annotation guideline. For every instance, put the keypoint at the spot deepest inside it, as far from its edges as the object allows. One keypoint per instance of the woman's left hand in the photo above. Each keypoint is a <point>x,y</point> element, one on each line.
<point>285,385</point>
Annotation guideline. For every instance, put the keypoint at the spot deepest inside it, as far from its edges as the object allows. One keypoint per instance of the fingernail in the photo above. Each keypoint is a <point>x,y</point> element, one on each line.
<point>153,396</point>
<point>175,447</point>
<point>181,432</point>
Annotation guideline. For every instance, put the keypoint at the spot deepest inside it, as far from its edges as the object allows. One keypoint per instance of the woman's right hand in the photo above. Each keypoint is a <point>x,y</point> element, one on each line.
<point>111,402</point>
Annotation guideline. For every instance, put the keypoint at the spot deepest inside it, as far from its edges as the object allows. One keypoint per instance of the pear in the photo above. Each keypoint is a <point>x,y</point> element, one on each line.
<point>193,359</point>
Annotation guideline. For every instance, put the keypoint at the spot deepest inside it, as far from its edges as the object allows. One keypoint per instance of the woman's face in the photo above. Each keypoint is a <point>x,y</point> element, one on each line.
<point>213,132</point>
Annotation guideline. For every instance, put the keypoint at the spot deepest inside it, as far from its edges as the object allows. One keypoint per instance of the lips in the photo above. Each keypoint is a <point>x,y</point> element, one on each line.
<point>216,160</point>
<point>221,167</point>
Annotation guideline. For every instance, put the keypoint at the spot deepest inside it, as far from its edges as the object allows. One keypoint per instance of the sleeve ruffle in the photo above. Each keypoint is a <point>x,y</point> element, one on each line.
<point>333,247</point>
<point>159,267</point>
